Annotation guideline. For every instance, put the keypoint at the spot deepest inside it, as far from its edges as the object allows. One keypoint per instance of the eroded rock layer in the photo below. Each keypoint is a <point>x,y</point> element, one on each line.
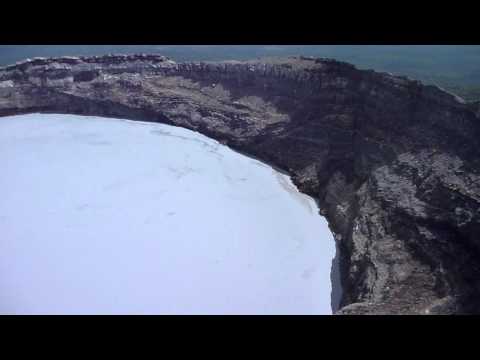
<point>394,164</point>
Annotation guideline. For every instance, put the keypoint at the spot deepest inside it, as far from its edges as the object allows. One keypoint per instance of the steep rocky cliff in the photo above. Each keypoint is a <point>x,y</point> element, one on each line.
<point>394,164</point>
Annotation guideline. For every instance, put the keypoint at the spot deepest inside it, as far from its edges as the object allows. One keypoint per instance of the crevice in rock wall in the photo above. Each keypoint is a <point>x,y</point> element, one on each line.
<point>336,278</point>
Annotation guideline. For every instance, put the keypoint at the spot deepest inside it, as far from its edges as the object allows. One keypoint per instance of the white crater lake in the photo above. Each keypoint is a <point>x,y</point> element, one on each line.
<point>109,216</point>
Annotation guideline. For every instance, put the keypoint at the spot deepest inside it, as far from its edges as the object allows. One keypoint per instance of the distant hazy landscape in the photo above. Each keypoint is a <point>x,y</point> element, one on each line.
<point>453,67</point>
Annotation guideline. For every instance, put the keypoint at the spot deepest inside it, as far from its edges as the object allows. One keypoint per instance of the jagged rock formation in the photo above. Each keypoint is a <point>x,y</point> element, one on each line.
<point>394,164</point>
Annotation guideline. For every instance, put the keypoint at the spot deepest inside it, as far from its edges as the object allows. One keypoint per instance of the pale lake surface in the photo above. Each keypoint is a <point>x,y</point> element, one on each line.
<point>109,216</point>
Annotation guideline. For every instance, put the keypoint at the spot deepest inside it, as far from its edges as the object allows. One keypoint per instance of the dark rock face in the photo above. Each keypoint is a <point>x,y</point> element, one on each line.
<point>393,164</point>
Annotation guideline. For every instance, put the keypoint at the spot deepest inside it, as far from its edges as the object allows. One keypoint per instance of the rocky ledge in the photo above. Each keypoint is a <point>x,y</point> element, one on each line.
<point>394,164</point>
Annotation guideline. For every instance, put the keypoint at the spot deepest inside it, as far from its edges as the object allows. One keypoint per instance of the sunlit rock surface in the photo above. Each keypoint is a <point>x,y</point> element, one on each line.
<point>112,216</point>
